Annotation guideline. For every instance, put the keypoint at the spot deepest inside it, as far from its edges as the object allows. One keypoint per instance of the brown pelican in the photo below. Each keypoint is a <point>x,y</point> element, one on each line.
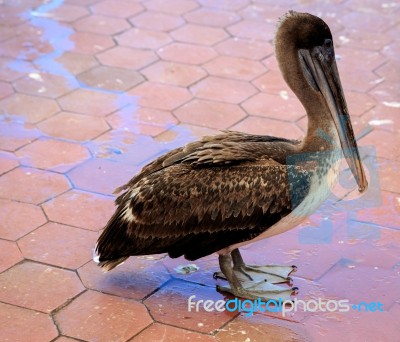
<point>225,191</point>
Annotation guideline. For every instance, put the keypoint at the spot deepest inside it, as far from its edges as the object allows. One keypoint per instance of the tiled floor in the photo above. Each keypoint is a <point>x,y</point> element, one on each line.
<point>91,90</point>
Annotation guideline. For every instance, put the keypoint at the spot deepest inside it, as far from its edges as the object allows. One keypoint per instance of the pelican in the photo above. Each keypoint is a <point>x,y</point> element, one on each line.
<point>225,191</point>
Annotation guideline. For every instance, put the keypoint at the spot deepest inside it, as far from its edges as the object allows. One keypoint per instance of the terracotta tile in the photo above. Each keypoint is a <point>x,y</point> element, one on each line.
<point>386,214</point>
<point>222,89</point>
<point>101,317</point>
<point>173,6</point>
<point>11,69</point>
<point>173,73</point>
<point>146,121</point>
<point>261,328</point>
<point>390,71</point>
<point>383,117</point>
<point>101,24</point>
<point>86,43</point>
<point>372,6</point>
<point>70,247</point>
<point>11,16</point>
<point>385,144</point>
<point>393,32</point>
<point>73,126</point>
<point>358,39</point>
<point>253,30</point>
<point>128,58</point>
<point>5,89</point>
<point>232,5</point>
<point>272,82</point>
<point>22,217</point>
<point>19,324</point>
<point>283,108</point>
<point>212,17</point>
<point>7,162</point>
<point>160,96</point>
<point>178,292</point>
<point>157,21</point>
<point>124,9</point>
<point>350,57</point>
<point>6,32</point>
<point>67,13</point>
<point>186,53</point>
<point>359,103</point>
<point>211,114</point>
<point>44,84</point>
<point>80,209</point>
<point>236,68</point>
<point>31,185</point>
<point>198,34</point>
<point>183,133</point>
<point>362,21</point>
<point>90,102</point>
<point>259,11</point>
<point>388,175</point>
<point>357,79</point>
<point>162,332</point>
<point>244,48</point>
<point>64,339</point>
<point>52,155</point>
<point>10,255</point>
<point>76,63</point>
<point>143,39</point>
<point>32,108</point>
<point>265,126</point>
<point>25,47</point>
<point>23,285</point>
<point>387,93</point>
<point>136,278</point>
<point>111,78</point>
<point>101,175</point>
<point>81,2</point>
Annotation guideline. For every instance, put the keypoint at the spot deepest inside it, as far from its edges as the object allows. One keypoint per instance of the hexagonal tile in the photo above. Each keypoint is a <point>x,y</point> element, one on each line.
<point>390,71</point>
<point>385,144</point>
<point>362,21</point>
<point>359,80</point>
<point>388,175</point>
<point>10,254</point>
<point>173,6</point>
<point>91,102</point>
<point>5,89</point>
<point>70,247</point>
<point>67,13</point>
<point>212,17</point>
<point>76,63</point>
<point>101,317</point>
<point>86,43</point>
<point>358,39</point>
<point>265,126</point>
<point>359,103</point>
<point>7,162</point>
<point>74,126</point>
<point>211,114</point>
<point>53,155</point>
<point>124,9</point>
<point>44,84</point>
<point>26,47</point>
<point>101,24</point>
<point>101,175</point>
<point>143,39</point>
<point>23,285</point>
<point>178,292</point>
<point>198,34</point>
<point>157,21</point>
<point>236,68</point>
<point>160,96</point>
<point>80,209</point>
<point>129,58</point>
<point>110,78</point>
<point>32,108</point>
<point>253,30</point>
<point>392,51</point>
<point>146,121</point>
<point>386,93</point>
<point>19,324</point>
<point>222,89</point>
<point>275,107</point>
<point>11,69</point>
<point>14,134</point>
<point>186,53</point>
<point>136,278</point>
<point>31,185</point>
<point>173,73</point>
<point>158,331</point>
<point>244,48</point>
<point>22,217</point>
<point>272,82</point>
<point>260,11</point>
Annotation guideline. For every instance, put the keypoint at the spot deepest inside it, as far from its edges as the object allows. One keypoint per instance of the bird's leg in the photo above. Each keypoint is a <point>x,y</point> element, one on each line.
<point>248,287</point>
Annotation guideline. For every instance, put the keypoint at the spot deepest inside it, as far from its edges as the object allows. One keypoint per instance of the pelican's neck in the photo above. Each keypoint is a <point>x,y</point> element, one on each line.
<point>321,131</point>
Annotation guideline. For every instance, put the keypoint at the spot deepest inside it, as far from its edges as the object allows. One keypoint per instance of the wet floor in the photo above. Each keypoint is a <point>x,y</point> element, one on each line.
<point>91,91</point>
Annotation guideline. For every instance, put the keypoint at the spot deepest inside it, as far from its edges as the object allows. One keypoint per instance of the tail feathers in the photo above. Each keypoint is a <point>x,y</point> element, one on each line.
<point>108,265</point>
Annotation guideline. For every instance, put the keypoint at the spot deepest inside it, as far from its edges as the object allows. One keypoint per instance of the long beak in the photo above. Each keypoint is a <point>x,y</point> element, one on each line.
<point>324,77</point>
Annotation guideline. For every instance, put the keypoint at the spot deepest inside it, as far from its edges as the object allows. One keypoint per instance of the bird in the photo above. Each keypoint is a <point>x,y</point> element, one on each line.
<point>222,192</point>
